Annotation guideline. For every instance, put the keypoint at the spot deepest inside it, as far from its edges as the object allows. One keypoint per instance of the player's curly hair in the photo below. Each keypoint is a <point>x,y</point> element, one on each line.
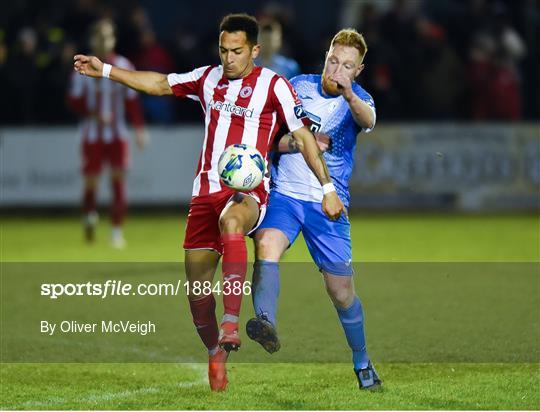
<point>241,22</point>
<point>350,37</point>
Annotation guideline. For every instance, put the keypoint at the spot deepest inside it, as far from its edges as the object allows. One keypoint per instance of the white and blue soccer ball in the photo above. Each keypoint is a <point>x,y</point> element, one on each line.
<point>241,167</point>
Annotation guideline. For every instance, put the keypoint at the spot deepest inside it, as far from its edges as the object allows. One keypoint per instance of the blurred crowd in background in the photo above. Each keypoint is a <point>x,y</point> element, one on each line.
<point>433,60</point>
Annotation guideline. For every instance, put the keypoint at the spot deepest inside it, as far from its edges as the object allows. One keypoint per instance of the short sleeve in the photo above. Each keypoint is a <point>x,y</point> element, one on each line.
<point>187,84</point>
<point>288,105</point>
<point>366,97</point>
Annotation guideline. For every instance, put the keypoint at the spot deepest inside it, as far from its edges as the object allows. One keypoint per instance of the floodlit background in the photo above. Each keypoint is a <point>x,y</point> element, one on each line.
<point>449,182</point>
<point>455,85</point>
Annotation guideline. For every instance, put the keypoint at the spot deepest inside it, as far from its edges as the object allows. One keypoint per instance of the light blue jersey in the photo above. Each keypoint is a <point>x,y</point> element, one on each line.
<point>291,175</point>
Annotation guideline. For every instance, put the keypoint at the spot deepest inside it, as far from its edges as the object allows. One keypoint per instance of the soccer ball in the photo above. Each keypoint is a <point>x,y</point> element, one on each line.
<point>241,167</point>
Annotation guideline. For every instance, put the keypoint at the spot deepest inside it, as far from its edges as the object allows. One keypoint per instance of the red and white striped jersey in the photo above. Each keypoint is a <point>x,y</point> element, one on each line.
<point>104,105</point>
<point>250,110</point>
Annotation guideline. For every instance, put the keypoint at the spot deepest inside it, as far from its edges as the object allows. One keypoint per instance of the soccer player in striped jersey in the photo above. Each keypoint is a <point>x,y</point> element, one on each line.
<point>103,107</point>
<point>339,109</point>
<point>242,103</point>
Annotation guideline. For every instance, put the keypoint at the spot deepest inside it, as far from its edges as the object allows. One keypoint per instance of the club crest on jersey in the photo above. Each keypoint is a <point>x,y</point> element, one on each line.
<point>299,112</point>
<point>246,92</point>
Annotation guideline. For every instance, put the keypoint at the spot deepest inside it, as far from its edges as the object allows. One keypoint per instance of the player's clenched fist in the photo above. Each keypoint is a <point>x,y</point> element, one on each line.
<point>333,206</point>
<point>88,65</point>
<point>344,83</point>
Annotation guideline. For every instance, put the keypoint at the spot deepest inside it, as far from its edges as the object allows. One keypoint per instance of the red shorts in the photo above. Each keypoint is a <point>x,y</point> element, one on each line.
<point>94,154</point>
<point>202,230</point>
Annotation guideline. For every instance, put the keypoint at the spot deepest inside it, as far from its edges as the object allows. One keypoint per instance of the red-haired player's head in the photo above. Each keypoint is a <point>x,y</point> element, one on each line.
<point>345,56</point>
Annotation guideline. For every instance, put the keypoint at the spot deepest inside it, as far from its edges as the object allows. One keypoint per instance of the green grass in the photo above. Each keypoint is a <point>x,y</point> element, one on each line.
<point>442,335</point>
<point>376,238</point>
<point>277,386</point>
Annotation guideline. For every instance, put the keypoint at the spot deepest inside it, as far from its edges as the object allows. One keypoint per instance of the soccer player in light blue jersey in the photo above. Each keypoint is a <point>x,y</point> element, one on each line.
<point>339,109</point>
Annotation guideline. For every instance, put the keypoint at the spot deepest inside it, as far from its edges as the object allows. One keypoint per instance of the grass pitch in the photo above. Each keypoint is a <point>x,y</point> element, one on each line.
<point>414,326</point>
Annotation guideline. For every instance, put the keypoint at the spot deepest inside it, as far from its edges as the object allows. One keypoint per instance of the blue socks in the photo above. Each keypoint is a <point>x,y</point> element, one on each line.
<point>266,289</point>
<point>352,320</point>
<point>265,296</point>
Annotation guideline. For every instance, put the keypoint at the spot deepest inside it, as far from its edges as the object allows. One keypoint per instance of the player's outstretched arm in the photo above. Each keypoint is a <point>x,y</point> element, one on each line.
<point>332,205</point>
<point>146,82</point>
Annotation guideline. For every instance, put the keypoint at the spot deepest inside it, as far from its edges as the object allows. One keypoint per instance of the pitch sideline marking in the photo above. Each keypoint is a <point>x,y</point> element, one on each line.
<point>202,379</point>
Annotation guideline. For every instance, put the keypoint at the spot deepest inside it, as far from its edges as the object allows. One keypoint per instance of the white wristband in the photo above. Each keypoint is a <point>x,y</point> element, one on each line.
<point>106,70</point>
<point>328,187</point>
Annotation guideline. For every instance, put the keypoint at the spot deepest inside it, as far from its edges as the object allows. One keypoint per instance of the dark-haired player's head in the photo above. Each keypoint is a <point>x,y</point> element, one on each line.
<point>102,38</point>
<point>238,44</point>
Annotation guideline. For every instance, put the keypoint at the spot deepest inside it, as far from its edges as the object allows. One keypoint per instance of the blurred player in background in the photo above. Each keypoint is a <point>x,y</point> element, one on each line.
<point>242,103</point>
<point>271,40</point>
<point>339,109</point>
<point>103,107</point>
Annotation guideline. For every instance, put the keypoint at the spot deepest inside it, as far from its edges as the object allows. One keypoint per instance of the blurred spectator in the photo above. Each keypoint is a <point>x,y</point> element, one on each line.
<point>129,28</point>
<point>54,85</point>
<point>505,91</point>
<point>494,76</point>
<point>528,21</point>
<point>480,69</point>
<point>3,60</point>
<point>270,39</point>
<point>494,83</point>
<point>398,29</point>
<point>154,57</point>
<point>151,56</point>
<point>187,50</point>
<point>441,80</point>
<point>484,53</point>
<point>292,42</point>
<point>381,66</point>
<point>78,19</point>
<point>22,79</point>
<point>510,49</point>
